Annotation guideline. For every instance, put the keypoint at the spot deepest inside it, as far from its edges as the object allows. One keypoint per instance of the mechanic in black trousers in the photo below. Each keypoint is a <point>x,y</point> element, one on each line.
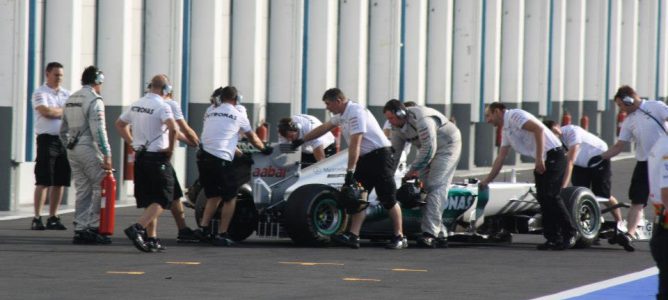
<point>658,194</point>
<point>528,136</point>
<point>370,162</point>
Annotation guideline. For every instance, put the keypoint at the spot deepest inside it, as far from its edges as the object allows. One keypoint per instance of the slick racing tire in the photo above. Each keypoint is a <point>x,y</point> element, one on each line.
<point>245,219</point>
<point>312,215</point>
<point>585,213</point>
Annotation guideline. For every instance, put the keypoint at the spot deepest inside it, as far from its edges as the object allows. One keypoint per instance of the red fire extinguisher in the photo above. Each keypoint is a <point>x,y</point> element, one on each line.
<point>108,207</point>
<point>584,122</point>
<point>566,119</point>
<point>262,131</point>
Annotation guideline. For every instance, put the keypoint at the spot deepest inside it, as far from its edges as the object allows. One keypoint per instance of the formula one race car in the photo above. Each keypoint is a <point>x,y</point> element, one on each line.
<point>280,199</point>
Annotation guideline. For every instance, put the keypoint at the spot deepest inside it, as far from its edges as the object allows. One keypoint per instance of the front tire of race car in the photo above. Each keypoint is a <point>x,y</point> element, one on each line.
<point>585,213</point>
<point>312,216</point>
<point>245,219</point>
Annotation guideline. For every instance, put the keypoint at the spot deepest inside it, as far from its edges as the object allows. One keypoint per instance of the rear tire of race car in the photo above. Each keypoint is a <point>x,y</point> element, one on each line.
<point>245,219</point>
<point>585,213</point>
<point>312,216</point>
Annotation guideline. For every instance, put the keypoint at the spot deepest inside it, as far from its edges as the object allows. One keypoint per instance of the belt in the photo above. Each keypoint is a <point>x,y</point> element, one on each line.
<point>377,151</point>
<point>152,155</point>
<point>556,150</point>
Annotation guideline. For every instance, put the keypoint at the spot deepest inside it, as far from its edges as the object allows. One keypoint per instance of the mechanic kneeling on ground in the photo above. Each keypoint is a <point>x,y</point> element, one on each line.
<point>220,135</point>
<point>370,162</point>
<point>439,143</point>
<point>293,130</point>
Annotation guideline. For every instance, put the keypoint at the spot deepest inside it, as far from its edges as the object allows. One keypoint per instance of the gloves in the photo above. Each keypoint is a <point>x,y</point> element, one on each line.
<point>350,178</point>
<point>267,150</point>
<point>595,161</point>
<point>296,143</point>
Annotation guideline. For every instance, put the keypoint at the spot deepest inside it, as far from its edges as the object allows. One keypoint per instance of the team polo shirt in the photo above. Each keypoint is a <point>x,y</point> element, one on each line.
<point>147,116</point>
<point>357,119</point>
<point>306,124</point>
<point>176,109</point>
<point>521,140</point>
<point>46,96</point>
<point>590,145</point>
<point>221,130</point>
<point>642,129</point>
<point>657,164</point>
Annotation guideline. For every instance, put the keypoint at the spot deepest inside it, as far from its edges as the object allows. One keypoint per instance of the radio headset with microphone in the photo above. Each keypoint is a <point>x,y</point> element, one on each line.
<point>289,126</point>
<point>400,112</point>
<point>99,77</point>
<point>627,100</point>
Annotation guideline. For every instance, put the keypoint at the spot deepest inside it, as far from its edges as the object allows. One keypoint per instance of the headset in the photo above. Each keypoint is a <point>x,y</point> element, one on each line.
<point>400,113</point>
<point>239,97</point>
<point>215,97</point>
<point>628,100</point>
<point>166,89</point>
<point>289,126</point>
<point>99,77</point>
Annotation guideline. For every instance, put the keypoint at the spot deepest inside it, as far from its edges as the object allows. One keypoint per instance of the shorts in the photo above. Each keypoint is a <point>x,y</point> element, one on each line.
<point>178,192</point>
<point>216,176</point>
<point>154,180</point>
<point>639,189</point>
<point>597,179</point>
<point>51,165</point>
<point>376,170</point>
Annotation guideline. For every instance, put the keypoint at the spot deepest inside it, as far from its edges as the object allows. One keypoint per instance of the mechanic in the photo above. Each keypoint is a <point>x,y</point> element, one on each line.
<point>222,122</point>
<point>644,124</point>
<point>294,128</point>
<point>440,144</point>
<point>582,146</point>
<point>153,137</point>
<point>370,162</point>
<point>84,131</point>
<point>657,162</point>
<point>523,132</point>
<point>52,170</point>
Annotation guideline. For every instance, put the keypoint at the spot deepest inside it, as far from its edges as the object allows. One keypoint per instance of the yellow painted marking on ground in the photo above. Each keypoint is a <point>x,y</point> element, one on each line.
<point>360,279</point>
<point>184,262</point>
<point>304,263</point>
<point>409,270</point>
<point>126,273</point>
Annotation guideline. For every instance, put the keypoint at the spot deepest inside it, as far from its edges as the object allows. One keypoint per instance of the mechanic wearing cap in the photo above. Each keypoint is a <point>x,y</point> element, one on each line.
<point>84,133</point>
<point>222,122</point>
<point>657,161</point>
<point>439,143</point>
<point>644,124</point>
<point>528,136</point>
<point>294,128</point>
<point>153,136</point>
<point>582,146</point>
<point>370,162</point>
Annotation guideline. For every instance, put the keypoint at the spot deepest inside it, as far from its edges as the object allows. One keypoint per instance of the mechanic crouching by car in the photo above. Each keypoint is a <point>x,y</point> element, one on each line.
<point>528,136</point>
<point>440,144</point>
<point>370,162</point>
<point>220,135</point>
<point>293,130</point>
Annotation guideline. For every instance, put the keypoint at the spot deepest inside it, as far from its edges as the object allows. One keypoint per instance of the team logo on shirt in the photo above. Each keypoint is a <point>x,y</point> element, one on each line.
<point>142,110</point>
<point>223,115</point>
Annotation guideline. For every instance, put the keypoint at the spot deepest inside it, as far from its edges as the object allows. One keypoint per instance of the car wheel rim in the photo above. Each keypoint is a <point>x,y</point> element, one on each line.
<point>327,217</point>
<point>587,219</point>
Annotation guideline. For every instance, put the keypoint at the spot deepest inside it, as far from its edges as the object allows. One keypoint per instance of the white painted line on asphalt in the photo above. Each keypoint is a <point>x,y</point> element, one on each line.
<point>125,273</point>
<point>360,279</point>
<point>15,215</point>
<point>586,289</point>
<point>184,263</point>
<point>409,270</point>
<point>303,263</point>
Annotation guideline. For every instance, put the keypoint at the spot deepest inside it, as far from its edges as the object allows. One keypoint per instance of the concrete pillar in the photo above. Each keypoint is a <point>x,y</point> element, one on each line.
<point>512,51</point>
<point>322,51</point>
<point>353,45</point>
<point>89,19</point>
<point>536,41</point>
<point>439,55</point>
<point>162,39</point>
<point>595,62</point>
<point>648,48</point>
<point>62,38</point>
<point>662,77</point>
<point>614,65</point>
<point>574,58</point>
<point>629,43</point>
<point>285,61</point>
<point>384,54</point>
<point>415,51</point>
<point>557,57</point>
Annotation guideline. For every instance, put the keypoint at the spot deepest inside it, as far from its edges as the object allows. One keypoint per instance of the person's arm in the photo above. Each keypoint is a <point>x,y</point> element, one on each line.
<point>354,150</point>
<point>319,153</point>
<point>98,128</point>
<point>614,150</point>
<point>171,127</point>
<point>428,139</point>
<point>319,131</point>
<point>570,160</point>
<point>187,134</point>
<point>496,166</point>
<point>64,129</point>
<point>50,112</point>
<point>123,129</point>
<point>537,131</point>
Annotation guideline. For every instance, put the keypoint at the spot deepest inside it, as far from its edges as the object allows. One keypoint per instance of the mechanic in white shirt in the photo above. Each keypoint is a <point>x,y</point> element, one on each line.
<point>528,136</point>
<point>370,162</point>
<point>153,136</point>
<point>582,146</point>
<point>220,135</point>
<point>657,162</point>
<point>294,128</point>
<point>644,124</point>
<point>52,169</point>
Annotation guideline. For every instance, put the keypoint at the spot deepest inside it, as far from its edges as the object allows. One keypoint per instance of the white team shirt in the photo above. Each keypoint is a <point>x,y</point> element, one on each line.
<point>639,127</point>
<point>590,145</point>
<point>46,96</point>
<point>176,109</point>
<point>306,124</point>
<point>524,141</point>
<point>657,169</point>
<point>220,134</point>
<point>357,119</point>
<point>147,116</point>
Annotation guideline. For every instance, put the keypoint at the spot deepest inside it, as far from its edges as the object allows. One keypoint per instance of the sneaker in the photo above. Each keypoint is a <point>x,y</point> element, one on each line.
<point>426,240</point>
<point>203,234</point>
<point>187,235</point>
<point>626,241</point>
<point>155,245</point>
<point>567,243</point>
<point>397,242</point>
<point>442,242</point>
<point>37,224</point>
<point>135,233</point>
<point>347,239</point>
<point>548,245</point>
<point>53,223</point>
<point>89,237</point>
<point>222,239</point>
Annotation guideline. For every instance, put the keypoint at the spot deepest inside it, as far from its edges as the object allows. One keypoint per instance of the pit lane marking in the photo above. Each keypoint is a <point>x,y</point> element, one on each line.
<point>360,279</point>
<point>304,263</point>
<point>409,270</point>
<point>126,273</point>
<point>183,262</point>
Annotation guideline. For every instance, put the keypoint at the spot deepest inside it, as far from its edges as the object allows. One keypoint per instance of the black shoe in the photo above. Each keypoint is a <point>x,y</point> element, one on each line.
<point>222,239</point>
<point>626,241</point>
<point>426,240</point>
<point>347,239</point>
<point>37,224</point>
<point>442,242</point>
<point>567,243</point>
<point>89,237</point>
<point>53,223</point>
<point>548,245</point>
<point>397,242</point>
<point>135,233</point>
<point>155,245</point>
<point>187,235</point>
<point>203,234</point>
